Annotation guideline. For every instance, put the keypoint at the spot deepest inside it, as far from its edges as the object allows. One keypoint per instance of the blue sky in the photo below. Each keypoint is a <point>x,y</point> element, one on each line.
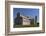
<point>26,12</point>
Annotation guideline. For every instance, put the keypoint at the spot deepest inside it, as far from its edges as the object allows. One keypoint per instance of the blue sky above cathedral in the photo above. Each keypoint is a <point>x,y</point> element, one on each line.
<point>26,12</point>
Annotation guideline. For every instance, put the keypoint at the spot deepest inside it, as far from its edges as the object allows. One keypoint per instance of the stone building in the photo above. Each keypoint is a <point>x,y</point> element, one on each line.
<point>23,20</point>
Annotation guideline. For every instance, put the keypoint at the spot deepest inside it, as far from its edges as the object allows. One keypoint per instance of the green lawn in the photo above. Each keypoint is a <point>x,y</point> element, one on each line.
<point>20,26</point>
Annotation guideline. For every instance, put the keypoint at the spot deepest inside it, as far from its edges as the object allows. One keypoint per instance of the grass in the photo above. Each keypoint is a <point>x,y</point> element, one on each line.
<point>20,26</point>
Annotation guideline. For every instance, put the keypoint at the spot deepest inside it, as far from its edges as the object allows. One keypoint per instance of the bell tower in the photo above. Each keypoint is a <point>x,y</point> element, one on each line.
<point>18,14</point>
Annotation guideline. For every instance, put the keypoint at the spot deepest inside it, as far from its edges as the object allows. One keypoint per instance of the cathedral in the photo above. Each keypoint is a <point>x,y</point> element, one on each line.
<point>24,20</point>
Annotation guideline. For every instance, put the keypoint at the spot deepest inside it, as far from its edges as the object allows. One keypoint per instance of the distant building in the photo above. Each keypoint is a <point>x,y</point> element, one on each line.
<point>35,20</point>
<point>23,20</point>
